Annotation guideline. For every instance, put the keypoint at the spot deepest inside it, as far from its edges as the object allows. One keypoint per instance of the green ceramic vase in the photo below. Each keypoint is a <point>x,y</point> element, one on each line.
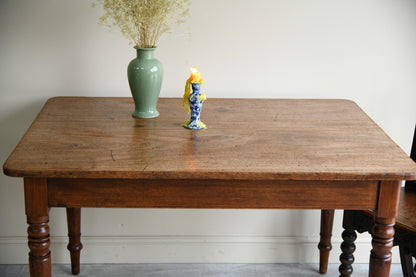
<point>145,75</point>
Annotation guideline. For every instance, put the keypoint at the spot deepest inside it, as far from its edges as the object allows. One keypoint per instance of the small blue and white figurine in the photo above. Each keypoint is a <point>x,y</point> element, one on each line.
<point>193,101</point>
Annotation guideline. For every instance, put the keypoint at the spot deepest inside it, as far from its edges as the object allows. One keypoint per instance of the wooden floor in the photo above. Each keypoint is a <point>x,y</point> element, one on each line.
<point>194,270</point>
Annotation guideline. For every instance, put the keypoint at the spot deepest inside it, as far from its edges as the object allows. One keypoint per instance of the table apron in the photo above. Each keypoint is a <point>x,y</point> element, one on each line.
<point>221,194</point>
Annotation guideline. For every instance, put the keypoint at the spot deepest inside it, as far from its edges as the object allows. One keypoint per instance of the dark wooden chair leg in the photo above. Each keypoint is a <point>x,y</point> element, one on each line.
<point>327,220</point>
<point>347,246</point>
<point>74,233</point>
<point>407,262</point>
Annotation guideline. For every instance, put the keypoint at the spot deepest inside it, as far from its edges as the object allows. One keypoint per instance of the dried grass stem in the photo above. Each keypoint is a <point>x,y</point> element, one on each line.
<point>143,22</point>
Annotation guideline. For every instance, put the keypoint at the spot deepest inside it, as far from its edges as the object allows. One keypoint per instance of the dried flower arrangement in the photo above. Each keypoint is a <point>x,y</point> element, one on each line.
<point>144,21</point>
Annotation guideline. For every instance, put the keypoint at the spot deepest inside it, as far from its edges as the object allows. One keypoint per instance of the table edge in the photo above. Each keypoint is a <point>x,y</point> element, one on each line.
<point>209,175</point>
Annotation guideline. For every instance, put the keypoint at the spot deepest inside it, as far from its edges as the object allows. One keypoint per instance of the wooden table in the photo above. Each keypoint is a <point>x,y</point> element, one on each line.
<point>257,154</point>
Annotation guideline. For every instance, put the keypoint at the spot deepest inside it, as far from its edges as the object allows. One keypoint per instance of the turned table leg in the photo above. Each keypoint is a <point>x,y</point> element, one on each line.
<point>73,216</point>
<point>383,230</point>
<point>327,220</point>
<point>37,214</point>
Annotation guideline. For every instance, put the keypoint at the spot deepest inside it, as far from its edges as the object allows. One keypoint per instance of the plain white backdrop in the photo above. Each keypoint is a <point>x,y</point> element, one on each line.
<point>362,50</point>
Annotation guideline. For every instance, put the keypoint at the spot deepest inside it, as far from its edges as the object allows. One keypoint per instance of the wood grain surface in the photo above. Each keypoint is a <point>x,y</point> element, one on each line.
<point>246,139</point>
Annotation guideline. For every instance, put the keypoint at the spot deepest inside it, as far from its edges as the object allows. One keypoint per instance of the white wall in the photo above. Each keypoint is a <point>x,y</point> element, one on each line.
<point>363,50</point>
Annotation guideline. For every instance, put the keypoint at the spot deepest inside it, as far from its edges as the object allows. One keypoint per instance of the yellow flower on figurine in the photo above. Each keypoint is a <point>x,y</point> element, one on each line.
<point>195,78</point>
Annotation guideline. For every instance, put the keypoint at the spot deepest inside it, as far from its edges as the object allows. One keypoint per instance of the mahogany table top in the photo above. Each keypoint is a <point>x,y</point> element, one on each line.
<point>247,139</point>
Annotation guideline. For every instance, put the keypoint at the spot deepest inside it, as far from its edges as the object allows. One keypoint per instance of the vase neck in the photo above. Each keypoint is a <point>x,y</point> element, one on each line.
<point>145,53</point>
<point>196,87</point>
